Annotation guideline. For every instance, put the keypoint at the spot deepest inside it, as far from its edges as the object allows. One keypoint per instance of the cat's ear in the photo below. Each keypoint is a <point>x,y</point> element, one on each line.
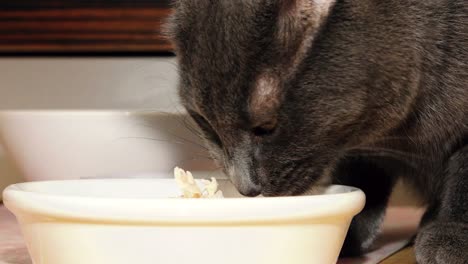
<point>173,26</point>
<point>298,23</point>
<point>303,14</point>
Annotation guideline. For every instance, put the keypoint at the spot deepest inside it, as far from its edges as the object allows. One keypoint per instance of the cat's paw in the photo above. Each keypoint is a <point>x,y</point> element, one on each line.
<point>442,243</point>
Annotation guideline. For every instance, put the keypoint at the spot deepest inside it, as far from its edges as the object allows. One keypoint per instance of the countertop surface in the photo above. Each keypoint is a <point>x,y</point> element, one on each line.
<point>12,247</point>
<point>399,226</point>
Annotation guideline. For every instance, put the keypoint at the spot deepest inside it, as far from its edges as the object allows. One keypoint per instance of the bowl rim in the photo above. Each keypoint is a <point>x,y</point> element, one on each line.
<point>172,211</point>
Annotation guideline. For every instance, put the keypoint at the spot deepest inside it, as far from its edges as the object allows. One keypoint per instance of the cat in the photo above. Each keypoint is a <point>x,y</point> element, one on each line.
<point>292,94</point>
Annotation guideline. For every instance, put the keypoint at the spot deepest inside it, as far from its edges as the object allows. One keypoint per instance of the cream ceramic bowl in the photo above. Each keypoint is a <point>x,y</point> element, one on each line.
<point>124,221</point>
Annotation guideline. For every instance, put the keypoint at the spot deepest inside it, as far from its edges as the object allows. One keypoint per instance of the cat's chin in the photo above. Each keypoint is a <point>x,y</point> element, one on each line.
<point>270,193</point>
<point>274,193</point>
<point>312,190</point>
<point>315,190</point>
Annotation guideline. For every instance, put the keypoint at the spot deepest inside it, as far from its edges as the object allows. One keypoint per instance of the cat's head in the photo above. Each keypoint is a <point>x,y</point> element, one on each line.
<point>272,117</point>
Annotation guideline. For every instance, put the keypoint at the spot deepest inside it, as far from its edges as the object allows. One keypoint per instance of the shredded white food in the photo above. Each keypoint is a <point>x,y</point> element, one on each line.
<point>190,189</point>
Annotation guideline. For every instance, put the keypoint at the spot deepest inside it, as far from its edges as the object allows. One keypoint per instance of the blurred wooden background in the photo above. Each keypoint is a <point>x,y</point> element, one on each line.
<point>85,26</point>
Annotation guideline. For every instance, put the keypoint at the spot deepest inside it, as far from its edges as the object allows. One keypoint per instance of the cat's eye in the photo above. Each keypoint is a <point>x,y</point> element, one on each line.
<point>205,126</point>
<point>265,129</point>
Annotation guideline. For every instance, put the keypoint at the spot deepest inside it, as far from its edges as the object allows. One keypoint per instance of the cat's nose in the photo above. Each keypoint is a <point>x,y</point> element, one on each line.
<point>242,178</point>
<point>250,191</point>
<point>246,186</point>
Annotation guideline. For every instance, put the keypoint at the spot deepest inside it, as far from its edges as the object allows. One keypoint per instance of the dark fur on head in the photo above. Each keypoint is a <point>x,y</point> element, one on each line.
<point>295,93</point>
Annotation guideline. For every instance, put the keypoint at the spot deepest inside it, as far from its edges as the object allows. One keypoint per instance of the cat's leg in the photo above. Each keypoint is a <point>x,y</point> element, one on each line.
<point>377,185</point>
<point>443,235</point>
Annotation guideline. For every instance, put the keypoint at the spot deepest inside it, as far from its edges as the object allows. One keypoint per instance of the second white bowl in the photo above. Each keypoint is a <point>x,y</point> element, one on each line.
<point>63,145</point>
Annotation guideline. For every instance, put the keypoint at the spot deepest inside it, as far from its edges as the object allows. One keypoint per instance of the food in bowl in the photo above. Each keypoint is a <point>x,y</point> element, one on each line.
<point>190,188</point>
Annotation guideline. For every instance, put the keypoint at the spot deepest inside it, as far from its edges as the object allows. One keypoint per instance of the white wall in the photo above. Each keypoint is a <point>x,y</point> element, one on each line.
<point>99,83</point>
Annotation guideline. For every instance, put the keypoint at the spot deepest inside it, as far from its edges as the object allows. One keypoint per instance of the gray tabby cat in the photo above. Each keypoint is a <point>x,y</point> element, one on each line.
<point>291,94</point>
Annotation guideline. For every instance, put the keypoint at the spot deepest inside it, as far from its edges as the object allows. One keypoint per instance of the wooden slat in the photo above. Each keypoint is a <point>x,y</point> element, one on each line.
<point>81,14</point>
<point>84,36</point>
<point>45,4</point>
<point>79,26</point>
<point>105,29</point>
<point>78,48</point>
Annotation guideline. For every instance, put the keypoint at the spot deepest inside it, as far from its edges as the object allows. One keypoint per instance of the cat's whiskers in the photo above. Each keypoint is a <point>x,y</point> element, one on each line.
<point>182,123</point>
<point>196,132</point>
<point>193,158</point>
